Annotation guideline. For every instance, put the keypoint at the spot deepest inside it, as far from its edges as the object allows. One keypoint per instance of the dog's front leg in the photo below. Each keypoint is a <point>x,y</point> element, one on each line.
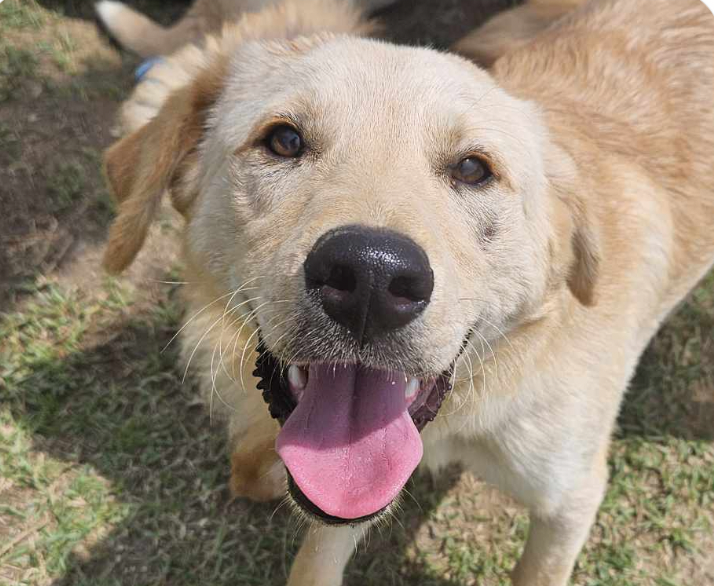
<point>555,538</point>
<point>324,554</point>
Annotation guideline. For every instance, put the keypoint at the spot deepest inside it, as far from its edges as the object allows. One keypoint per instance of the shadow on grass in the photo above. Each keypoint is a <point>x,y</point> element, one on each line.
<point>60,89</point>
<point>119,406</point>
<point>672,393</point>
<point>53,129</point>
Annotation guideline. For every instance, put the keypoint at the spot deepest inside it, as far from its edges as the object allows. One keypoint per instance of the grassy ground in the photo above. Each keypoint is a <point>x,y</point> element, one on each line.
<point>110,471</point>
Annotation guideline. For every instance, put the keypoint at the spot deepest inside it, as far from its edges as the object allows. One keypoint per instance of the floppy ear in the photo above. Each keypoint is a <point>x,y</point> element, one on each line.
<point>511,29</point>
<point>575,226</point>
<point>583,273</point>
<point>155,159</point>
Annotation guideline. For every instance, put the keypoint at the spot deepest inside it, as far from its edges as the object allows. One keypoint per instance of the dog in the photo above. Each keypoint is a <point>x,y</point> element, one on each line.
<point>414,261</point>
<point>138,33</point>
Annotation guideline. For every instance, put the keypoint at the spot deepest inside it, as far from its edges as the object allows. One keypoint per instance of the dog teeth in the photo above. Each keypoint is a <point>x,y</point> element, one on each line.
<point>297,378</point>
<point>412,388</point>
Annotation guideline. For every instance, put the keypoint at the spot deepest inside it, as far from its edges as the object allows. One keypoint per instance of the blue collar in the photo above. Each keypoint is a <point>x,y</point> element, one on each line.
<point>145,67</point>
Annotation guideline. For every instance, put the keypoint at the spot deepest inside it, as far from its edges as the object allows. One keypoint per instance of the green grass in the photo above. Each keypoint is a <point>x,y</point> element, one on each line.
<point>66,184</point>
<point>21,14</point>
<point>9,143</point>
<point>39,53</point>
<point>100,438</point>
<point>16,65</point>
<point>63,52</point>
<point>18,61</point>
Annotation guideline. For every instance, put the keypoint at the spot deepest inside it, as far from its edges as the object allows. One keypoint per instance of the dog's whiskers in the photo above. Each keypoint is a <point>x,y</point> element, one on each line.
<point>472,388</point>
<point>205,307</point>
<point>246,320</point>
<point>203,337</point>
<point>193,317</point>
<point>285,501</point>
<point>236,337</point>
<point>221,363</point>
<point>218,345</point>
<point>471,393</point>
<point>247,344</point>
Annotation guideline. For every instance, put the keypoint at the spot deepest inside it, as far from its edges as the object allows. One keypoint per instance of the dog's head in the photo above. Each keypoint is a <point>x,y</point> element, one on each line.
<point>384,204</point>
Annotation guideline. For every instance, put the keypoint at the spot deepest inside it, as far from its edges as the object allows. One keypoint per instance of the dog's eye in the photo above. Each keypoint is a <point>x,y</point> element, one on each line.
<point>285,141</point>
<point>472,171</point>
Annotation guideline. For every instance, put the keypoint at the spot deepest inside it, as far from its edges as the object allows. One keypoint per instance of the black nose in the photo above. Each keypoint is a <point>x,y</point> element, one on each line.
<point>371,281</point>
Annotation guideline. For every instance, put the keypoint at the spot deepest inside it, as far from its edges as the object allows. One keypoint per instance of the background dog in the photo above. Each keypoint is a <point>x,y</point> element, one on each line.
<point>142,35</point>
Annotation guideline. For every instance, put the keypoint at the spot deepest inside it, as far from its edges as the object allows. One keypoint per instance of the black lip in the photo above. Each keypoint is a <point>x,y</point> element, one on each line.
<point>274,386</point>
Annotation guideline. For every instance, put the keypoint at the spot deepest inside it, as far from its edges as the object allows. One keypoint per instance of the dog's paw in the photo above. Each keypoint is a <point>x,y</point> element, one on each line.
<point>257,474</point>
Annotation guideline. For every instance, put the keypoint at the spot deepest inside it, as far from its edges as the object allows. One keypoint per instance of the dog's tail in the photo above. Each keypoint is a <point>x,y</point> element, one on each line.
<point>140,34</point>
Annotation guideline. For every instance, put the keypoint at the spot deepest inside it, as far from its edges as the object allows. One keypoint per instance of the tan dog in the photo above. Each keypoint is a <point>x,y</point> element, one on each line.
<point>140,34</point>
<point>387,221</point>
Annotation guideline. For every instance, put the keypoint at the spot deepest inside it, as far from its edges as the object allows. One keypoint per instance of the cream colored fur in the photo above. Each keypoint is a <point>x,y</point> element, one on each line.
<point>601,130</point>
<point>142,35</point>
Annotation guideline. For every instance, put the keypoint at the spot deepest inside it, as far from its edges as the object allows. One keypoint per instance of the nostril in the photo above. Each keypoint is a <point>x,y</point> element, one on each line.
<point>402,287</point>
<point>412,288</point>
<point>342,278</point>
<point>337,278</point>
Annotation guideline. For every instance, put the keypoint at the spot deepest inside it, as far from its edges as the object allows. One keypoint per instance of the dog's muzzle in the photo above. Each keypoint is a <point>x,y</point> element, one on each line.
<point>350,436</point>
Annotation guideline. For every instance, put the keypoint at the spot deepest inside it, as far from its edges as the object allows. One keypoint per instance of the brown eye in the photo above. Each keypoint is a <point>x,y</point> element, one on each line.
<point>285,141</point>
<point>472,171</point>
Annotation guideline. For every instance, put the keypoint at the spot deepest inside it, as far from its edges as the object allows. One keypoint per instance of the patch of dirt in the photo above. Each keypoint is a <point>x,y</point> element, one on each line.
<point>52,131</point>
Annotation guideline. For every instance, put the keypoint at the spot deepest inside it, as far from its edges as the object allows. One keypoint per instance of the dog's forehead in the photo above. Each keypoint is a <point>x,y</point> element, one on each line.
<point>346,82</point>
<point>352,72</point>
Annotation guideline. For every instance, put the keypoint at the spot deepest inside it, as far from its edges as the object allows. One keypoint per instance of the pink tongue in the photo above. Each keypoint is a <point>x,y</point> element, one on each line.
<point>350,444</point>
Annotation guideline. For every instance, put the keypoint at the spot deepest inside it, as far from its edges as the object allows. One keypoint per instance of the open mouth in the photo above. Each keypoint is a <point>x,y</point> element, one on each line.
<point>350,433</point>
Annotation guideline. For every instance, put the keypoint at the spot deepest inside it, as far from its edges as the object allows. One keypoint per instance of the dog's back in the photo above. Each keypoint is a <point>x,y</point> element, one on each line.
<point>642,74</point>
<point>651,80</point>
